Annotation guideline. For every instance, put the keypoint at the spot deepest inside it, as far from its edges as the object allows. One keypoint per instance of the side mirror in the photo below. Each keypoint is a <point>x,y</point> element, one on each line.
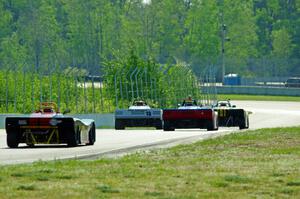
<point>66,111</point>
<point>233,106</point>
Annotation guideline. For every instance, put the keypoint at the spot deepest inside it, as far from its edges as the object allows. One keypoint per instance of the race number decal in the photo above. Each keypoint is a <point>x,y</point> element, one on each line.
<point>222,112</point>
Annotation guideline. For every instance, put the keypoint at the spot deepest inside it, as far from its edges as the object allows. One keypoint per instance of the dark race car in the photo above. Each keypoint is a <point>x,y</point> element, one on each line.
<point>189,115</point>
<point>48,126</point>
<point>230,116</point>
<point>139,114</point>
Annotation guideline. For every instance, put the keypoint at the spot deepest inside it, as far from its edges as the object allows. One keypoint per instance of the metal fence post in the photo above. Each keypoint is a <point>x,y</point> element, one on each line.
<point>59,93</point>
<point>50,84</point>
<point>151,90</point>
<point>121,86</point>
<point>142,92</point>
<point>76,94</point>
<point>15,92</point>
<point>126,85</point>
<point>32,91</point>
<point>121,91</point>
<point>93,91</point>
<point>132,93</point>
<point>23,88</point>
<point>67,90</point>
<point>116,91</point>
<point>85,94</point>
<point>41,87</point>
<point>101,94</point>
<point>6,86</point>
<point>146,93</point>
<point>137,86</point>
<point>155,91</point>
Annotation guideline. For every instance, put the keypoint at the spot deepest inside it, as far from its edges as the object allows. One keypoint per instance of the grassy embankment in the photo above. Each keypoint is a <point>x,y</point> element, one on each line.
<point>259,98</point>
<point>262,163</point>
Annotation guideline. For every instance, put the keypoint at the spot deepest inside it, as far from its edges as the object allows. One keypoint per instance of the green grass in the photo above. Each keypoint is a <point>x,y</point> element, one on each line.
<point>259,98</point>
<point>131,128</point>
<point>105,127</point>
<point>251,164</point>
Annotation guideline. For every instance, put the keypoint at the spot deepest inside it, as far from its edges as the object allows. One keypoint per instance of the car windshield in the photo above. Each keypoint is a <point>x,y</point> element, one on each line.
<point>139,103</point>
<point>47,107</point>
<point>223,104</point>
<point>48,110</point>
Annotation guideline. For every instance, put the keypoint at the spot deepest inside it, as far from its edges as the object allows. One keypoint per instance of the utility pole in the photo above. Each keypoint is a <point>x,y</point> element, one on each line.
<point>223,33</point>
<point>223,36</point>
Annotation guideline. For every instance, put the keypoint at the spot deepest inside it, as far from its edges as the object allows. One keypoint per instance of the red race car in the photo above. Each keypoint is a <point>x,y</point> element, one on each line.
<point>189,115</point>
<point>48,126</point>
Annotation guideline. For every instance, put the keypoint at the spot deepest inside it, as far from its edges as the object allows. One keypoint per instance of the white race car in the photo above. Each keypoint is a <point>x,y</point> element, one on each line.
<point>138,115</point>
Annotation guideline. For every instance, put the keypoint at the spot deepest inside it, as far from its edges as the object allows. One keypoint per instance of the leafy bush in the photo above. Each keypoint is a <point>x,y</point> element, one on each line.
<point>130,78</point>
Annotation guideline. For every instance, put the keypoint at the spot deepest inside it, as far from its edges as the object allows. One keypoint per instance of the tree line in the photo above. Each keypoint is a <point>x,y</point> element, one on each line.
<point>48,35</point>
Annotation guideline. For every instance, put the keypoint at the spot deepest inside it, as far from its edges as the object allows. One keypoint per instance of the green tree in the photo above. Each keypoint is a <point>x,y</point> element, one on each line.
<point>282,43</point>
<point>13,55</point>
<point>6,19</point>
<point>39,30</point>
<point>241,30</point>
<point>203,39</point>
<point>282,49</point>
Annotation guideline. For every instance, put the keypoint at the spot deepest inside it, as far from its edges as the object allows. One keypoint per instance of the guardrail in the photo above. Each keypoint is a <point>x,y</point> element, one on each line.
<point>256,90</point>
<point>102,120</point>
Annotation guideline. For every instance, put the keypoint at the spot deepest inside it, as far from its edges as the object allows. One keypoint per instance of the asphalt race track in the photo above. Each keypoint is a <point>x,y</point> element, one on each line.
<point>111,142</point>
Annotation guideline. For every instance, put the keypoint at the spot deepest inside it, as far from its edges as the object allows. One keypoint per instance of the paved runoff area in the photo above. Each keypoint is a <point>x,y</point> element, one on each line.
<point>110,142</point>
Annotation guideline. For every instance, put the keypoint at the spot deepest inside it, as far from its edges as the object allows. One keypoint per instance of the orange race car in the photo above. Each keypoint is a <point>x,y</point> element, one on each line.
<point>48,126</point>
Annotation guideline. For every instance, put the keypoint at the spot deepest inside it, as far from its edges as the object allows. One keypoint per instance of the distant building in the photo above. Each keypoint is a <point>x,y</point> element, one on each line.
<point>232,79</point>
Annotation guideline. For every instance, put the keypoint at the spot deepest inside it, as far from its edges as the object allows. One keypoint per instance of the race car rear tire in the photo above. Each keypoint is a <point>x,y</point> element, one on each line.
<point>119,125</point>
<point>168,127</point>
<point>213,126</point>
<point>30,145</point>
<point>74,139</point>
<point>12,139</point>
<point>92,135</point>
<point>159,125</point>
<point>211,129</point>
<point>243,124</point>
